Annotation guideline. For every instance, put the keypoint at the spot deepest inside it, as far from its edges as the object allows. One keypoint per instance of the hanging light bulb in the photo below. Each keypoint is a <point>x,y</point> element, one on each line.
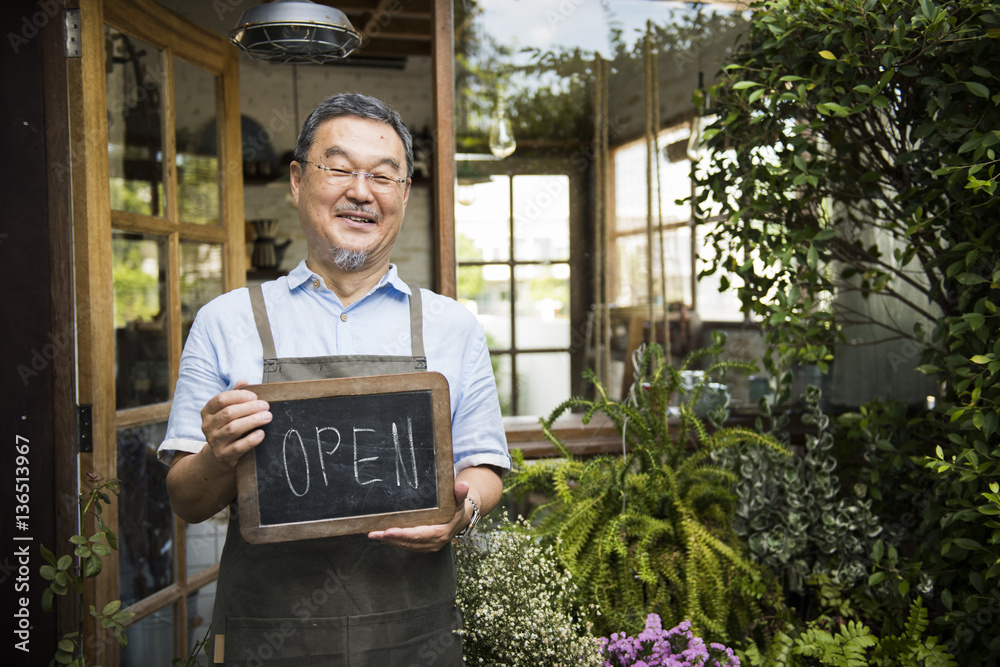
<point>502,141</point>
<point>465,194</point>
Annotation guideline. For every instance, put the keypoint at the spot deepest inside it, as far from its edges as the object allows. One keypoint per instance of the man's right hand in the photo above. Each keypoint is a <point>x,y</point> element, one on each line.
<point>231,421</point>
<point>201,484</point>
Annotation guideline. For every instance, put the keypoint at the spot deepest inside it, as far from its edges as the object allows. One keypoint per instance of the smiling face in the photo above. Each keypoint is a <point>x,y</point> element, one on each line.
<point>348,226</point>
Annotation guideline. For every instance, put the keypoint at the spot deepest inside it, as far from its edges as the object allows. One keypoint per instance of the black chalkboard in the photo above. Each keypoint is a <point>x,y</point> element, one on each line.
<point>349,455</point>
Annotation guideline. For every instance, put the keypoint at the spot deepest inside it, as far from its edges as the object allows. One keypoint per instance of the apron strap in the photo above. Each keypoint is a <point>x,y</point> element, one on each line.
<point>260,318</point>
<point>416,325</point>
<point>267,340</point>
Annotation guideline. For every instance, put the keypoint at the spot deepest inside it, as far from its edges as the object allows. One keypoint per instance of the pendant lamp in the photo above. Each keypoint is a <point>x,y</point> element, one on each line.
<point>295,32</point>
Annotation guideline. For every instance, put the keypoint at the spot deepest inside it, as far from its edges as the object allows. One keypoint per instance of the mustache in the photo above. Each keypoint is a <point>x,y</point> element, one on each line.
<point>370,212</point>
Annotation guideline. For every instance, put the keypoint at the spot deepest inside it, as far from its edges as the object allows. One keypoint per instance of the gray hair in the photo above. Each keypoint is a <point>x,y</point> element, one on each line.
<point>360,106</point>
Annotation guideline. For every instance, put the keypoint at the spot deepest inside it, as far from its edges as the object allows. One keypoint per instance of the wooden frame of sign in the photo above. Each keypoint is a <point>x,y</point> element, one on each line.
<point>349,455</point>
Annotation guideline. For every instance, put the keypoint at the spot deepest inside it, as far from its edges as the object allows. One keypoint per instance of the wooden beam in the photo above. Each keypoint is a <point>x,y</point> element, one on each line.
<point>443,209</point>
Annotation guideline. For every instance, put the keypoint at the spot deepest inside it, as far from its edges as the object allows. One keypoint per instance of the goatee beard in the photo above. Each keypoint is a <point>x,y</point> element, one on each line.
<point>349,260</point>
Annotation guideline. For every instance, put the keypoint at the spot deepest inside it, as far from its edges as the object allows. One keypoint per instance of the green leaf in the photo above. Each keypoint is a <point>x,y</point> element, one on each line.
<point>48,572</point>
<point>741,85</point>
<point>110,536</point>
<point>970,279</point>
<point>875,577</point>
<point>66,645</point>
<point>65,562</point>
<point>827,55</point>
<point>47,598</point>
<point>975,320</point>
<point>123,616</point>
<point>49,557</point>
<point>111,607</point>
<point>946,598</point>
<point>977,89</point>
<point>967,544</point>
<point>78,539</point>
<point>92,566</point>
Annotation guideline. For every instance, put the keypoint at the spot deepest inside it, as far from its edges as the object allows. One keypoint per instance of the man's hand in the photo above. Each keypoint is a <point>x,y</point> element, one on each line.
<point>481,482</point>
<point>201,484</point>
<point>429,538</point>
<point>231,421</point>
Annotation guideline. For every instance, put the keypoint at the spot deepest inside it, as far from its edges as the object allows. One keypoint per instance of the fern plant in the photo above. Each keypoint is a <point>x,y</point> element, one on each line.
<point>852,644</point>
<point>650,530</point>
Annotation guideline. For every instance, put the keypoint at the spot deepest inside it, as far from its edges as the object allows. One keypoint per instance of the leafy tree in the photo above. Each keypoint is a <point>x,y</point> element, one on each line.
<point>855,159</point>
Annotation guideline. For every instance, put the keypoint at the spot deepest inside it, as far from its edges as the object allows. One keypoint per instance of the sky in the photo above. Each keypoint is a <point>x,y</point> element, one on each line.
<point>547,24</point>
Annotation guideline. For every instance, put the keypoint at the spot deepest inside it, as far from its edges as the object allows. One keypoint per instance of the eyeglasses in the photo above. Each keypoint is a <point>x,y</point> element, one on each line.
<point>377,182</point>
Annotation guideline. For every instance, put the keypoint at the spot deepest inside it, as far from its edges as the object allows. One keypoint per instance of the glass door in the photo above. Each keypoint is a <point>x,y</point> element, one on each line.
<point>159,226</point>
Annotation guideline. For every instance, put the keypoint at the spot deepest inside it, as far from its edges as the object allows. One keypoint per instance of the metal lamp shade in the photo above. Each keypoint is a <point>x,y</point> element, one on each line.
<point>295,32</point>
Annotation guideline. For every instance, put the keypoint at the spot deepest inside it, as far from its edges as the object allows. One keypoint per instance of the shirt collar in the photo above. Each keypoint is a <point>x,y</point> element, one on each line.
<point>301,275</point>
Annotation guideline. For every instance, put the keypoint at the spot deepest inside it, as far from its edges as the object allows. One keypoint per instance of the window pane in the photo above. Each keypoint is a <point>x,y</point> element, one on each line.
<point>541,218</point>
<point>543,382</point>
<point>197,148</point>
<point>482,222</point>
<point>199,609</point>
<point>632,273</point>
<point>204,542</point>
<point>542,306</point>
<point>134,76</point>
<point>501,371</point>
<point>150,641</point>
<point>485,290</point>
<point>145,522</point>
<point>201,279</point>
<point>139,268</point>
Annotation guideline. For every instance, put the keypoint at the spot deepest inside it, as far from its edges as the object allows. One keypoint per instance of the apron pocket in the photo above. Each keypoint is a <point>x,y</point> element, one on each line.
<point>423,636</point>
<point>286,642</point>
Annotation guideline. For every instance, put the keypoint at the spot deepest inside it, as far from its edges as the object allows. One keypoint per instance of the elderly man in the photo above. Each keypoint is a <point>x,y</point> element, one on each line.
<point>386,598</point>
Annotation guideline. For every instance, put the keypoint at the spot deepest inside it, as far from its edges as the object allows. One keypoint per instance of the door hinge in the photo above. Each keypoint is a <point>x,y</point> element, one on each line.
<point>85,428</point>
<point>73,49</point>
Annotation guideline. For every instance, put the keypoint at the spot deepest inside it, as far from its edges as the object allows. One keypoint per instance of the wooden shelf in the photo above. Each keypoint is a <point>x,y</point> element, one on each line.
<point>598,437</point>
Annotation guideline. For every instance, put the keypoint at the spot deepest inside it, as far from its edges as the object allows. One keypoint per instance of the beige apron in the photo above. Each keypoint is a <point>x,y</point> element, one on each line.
<point>338,600</point>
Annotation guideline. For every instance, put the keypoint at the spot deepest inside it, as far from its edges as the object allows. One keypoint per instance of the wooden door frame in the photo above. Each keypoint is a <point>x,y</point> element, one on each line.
<point>87,93</point>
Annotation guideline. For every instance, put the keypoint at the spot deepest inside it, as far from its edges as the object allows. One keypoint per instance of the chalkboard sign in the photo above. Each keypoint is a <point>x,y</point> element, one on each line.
<point>349,455</point>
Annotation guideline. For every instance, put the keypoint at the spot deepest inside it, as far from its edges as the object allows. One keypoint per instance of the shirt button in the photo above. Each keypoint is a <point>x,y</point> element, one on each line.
<point>343,317</point>
<point>315,284</point>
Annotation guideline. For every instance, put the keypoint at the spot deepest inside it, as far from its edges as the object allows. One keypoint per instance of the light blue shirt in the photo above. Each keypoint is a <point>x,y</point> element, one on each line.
<point>308,320</point>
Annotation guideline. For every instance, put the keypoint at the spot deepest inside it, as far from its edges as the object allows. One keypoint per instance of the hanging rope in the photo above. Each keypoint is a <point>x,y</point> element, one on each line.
<point>659,205</point>
<point>598,229</point>
<point>602,360</point>
<point>650,112</point>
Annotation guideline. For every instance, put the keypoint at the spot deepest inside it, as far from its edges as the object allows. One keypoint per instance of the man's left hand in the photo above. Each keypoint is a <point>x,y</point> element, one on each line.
<point>429,538</point>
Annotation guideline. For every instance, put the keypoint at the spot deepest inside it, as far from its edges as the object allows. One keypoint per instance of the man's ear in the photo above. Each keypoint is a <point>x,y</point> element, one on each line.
<point>294,177</point>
